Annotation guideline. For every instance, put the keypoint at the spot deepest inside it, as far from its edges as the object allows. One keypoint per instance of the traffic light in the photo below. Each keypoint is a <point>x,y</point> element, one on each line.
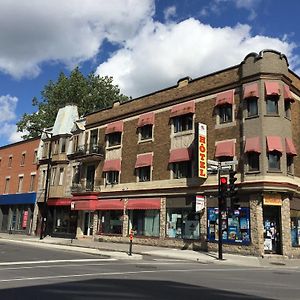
<point>222,192</point>
<point>233,188</point>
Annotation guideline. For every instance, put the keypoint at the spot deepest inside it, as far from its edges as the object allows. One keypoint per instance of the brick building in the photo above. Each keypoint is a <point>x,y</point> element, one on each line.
<point>135,164</point>
<point>18,185</point>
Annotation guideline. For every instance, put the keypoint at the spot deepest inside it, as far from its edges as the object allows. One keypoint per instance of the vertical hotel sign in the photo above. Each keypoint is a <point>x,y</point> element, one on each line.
<point>202,150</point>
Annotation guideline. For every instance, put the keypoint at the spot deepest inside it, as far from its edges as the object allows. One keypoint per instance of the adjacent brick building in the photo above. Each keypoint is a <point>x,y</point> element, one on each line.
<point>18,185</point>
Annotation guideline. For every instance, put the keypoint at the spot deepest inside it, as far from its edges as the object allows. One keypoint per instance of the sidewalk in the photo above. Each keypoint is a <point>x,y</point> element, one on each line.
<point>120,251</point>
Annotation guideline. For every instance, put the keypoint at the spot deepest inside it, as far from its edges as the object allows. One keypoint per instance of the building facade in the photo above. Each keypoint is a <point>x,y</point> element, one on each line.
<point>18,186</point>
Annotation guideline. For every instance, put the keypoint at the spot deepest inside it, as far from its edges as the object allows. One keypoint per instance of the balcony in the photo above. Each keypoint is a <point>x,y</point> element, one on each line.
<point>88,186</point>
<point>87,153</point>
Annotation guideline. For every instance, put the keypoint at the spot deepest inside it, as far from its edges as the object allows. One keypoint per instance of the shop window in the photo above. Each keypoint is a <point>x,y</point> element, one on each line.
<point>114,139</point>
<point>112,177</point>
<point>225,113</point>
<point>289,163</point>
<point>146,132</point>
<point>183,123</point>
<point>182,169</point>
<point>272,105</point>
<point>145,222</point>
<point>274,161</point>
<point>287,109</point>
<point>252,107</point>
<point>253,161</point>
<point>144,174</point>
<point>295,227</point>
<point>235,225</point>
<point>183,223</point>
<point>111,222</point>
<point>64,220</point>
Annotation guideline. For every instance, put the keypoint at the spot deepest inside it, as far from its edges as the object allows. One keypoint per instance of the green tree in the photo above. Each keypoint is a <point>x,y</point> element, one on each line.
<point>89,93</point>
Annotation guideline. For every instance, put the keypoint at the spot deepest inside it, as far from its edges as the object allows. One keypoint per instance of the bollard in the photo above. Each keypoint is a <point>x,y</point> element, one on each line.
<point>130,242</point>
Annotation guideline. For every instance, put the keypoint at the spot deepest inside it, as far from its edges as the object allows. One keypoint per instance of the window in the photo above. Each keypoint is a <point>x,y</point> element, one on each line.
<point>63,145</point>
<point>146,132</point>
<point>75,143</point>
<point>182,170</point>
<point>252,108</point>
<point>10,161</point>
<point>23,159</point>
<point>112,177</point>
<point>112,222</point>
<point>35,157</point>
<point>289,163</point>
<point>56,147</point>
<point>253,161</point>
<point>287,109</point>
<point>183,123</point>
<point>274,161</point>
<point>114,139</point>
<point>0,161</point>
<point>44,179</point>
<point>46,149</point>
<point>61,176</point>
<point>225,113</point>
<point>6,188</point>
<point>53,176</point>
<point>144,173</point>
<point>32,183</point>
<point>20,184</point>
<point>272,105</point>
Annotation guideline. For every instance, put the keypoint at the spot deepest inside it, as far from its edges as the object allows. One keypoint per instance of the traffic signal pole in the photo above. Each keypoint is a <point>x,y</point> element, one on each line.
<point>220,250</point>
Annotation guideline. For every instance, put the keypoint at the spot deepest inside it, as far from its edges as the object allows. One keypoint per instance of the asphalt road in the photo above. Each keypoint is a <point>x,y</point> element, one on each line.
<point>28,272</point>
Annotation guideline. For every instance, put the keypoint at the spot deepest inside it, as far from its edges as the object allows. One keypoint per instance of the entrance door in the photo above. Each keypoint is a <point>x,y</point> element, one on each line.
<point>88,224</point>
<point>272,232</point>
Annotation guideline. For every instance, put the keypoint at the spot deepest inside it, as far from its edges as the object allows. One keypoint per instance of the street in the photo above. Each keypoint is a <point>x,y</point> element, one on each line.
<point>28,272</point>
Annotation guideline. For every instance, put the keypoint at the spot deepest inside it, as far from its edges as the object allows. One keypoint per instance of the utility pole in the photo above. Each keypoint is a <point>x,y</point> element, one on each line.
<point>45,205</point>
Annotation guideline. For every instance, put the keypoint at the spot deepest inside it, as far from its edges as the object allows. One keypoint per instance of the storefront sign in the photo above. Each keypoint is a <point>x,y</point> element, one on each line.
<point>200,203</point>
<point>272,199</point>
<point>202,150</point>
<point>25,218</point>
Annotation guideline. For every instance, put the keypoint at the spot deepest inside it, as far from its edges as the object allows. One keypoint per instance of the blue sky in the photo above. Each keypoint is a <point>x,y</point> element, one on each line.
<point>145,45</point>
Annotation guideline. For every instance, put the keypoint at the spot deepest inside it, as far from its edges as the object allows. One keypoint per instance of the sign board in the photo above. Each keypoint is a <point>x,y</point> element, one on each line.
<point>272,199</point>
<point>229,163</point>
<point>200,203</point>
<point>202,150</point>
<point>25,218</point>
<point>212,162</point>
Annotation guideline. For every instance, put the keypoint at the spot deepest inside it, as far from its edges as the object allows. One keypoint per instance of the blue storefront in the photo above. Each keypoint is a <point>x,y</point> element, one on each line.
<point>16,212</point>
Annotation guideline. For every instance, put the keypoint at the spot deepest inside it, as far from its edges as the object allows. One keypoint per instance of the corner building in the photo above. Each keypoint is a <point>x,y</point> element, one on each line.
<point>142,171</point>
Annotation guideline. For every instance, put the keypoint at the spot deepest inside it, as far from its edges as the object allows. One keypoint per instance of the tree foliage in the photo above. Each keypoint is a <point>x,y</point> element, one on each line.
<point>89,93</point>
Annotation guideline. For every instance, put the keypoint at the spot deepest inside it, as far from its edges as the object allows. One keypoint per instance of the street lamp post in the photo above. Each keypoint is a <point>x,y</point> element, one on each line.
<point>45,205</point>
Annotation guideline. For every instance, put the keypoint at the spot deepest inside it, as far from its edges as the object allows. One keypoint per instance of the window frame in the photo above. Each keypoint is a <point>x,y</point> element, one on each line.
<point>112,177</point>
<point>146,132</point>
<point>290,163</point>
<point>144,174</point>
<point>114,139</point>
<point>287,109</point>
<point>183,123</point>
<point>20,184</point>
<point>223,113</point>
<point>253,161</point>
<point>274,100</point>
<point>32,182</point>
<point>252,107</point>
<point>274,154</point>
<point>182,169</point>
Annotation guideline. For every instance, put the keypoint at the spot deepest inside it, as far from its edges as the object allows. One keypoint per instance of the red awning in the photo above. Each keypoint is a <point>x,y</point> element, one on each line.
<point>85,196</point>
<point>251,90</point>
<point>287,94</point>
<point>112,165</point>
<point>182,154</point>
<point>274,143</point>
<point>146,119</point>
<point>290,147</point>
<point>225,148</point>
<point>114,127</point>
<point>272,88</point>
<point>253,145</point>
<point>225,98</point>
<point>183,109</point>
<point>59,202</point>
<point>144,160</point>
<point>110,204</point>
<point>85,205</point>
<point>143,203</point>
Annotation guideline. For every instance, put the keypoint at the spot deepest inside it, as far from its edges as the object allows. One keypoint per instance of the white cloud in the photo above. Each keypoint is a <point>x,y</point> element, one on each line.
<point>170,12</point>
<point>35,31</point>
<point>162,53</point>
<point>8,106</point>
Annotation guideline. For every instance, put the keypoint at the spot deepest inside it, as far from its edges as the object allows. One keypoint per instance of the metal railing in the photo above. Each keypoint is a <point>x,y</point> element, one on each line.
<point>89,149</point>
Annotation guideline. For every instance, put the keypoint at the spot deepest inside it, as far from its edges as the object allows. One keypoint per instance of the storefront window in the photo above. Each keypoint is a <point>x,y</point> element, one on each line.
<point>112,222</point>
<point>295,227</point>
<point>235,225</point>
<point>64,220</point>
<point>145,222</point>
<point>182,223</point>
